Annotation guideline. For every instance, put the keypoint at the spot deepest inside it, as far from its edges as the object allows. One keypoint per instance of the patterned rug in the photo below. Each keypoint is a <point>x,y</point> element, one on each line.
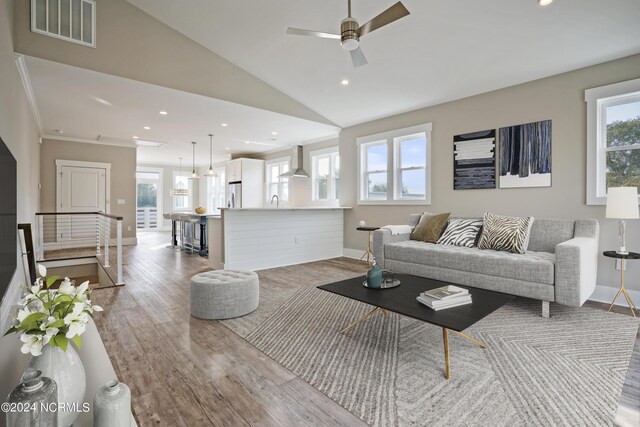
<point>389,371</point>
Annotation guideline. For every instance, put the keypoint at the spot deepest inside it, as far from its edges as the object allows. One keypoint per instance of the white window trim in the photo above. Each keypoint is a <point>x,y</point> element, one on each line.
<point>189,206</point>
<point>267,166</point>
<point>596,99</point>
<point>65,38</point>
<point>392,177</point>
<point>331,200</point>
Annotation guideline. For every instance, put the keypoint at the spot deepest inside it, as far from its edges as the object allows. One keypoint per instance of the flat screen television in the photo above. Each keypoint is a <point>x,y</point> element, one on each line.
<point>8,217</point>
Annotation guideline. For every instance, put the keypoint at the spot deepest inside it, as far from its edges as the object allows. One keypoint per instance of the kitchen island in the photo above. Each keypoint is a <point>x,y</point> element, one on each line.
<point>259,238</point>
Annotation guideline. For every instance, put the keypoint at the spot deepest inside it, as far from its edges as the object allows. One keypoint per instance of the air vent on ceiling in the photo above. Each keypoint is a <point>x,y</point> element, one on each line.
<point>70,20</point>
<point>112,140</point>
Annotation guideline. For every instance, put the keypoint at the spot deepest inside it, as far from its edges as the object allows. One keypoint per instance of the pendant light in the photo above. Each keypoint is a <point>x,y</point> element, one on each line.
<point>194,175</point>
<point>210,171</point>
<point>178,191</point>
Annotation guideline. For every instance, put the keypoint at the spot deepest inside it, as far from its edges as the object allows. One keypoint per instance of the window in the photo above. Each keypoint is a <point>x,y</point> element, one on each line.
<point>181,180</point>
<point>70,20</point>
<point>216,191</point>
<point>613,138</point>
<point>394,167</point>
<point>325,174</point>
<point>277,185</point>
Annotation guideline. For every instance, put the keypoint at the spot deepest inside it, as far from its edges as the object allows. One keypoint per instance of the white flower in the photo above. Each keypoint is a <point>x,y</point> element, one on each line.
<point>76,320</point>
<point>81,292</point>
<point>33,344</point>
<point>42,270</point>
<point>23,313</point>
<point>66,288</point>
<point>96,308</point>
<point>49,331</point>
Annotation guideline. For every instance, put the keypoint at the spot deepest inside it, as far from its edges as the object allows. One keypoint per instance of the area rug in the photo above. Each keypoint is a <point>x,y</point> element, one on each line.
<point>389,371</point>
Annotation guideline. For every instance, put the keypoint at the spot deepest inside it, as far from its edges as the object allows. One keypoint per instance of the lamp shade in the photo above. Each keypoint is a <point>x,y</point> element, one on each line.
<point>622,203</point>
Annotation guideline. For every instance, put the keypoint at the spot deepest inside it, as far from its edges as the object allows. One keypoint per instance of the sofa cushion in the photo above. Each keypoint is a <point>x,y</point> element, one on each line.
<point>461,232</point>
<point>505,233</point>
<point>532,266</point>
<point>430,227</point>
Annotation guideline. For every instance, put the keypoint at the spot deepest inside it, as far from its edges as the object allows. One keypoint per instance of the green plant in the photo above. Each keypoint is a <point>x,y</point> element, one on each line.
<point>52,316</point>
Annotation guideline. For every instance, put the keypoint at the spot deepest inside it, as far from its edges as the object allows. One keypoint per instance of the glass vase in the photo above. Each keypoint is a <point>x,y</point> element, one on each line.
<point>33,403</point>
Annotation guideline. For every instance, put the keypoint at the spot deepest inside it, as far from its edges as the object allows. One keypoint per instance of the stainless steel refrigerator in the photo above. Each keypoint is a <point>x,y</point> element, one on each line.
<point>234,195</point>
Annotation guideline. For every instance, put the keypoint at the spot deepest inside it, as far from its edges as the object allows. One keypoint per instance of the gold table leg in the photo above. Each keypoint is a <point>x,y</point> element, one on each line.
<point>368,253</point>
<point>445,339</point>
<point>363,318</point>
<point>623,291</point>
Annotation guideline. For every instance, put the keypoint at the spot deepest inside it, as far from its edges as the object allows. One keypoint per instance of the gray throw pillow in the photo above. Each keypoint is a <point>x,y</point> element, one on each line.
<point>461,232</point>
<point>505,233</point>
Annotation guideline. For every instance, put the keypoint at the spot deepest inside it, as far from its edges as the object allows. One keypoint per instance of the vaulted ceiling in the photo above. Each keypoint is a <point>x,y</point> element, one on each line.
<point>444,50</point>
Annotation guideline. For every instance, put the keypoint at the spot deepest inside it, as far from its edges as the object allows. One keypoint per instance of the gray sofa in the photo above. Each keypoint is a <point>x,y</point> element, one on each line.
<point>560,264</point>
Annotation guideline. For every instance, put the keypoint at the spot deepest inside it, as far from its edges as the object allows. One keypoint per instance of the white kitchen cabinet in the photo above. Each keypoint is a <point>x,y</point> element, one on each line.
<point>249,172</point>
<point>234,170</point>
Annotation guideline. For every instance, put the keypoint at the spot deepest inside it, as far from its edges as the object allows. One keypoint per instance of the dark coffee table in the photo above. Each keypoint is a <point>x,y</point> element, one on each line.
<point>402,300</point>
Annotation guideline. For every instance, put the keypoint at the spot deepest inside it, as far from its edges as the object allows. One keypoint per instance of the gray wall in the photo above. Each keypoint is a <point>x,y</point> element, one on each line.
<point>162,55</point>
<point>18,130</point>
<point>559,98</point>
<point>123,175</point>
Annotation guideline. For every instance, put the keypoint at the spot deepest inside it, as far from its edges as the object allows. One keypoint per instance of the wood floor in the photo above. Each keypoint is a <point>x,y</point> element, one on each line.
<point>183,371</point>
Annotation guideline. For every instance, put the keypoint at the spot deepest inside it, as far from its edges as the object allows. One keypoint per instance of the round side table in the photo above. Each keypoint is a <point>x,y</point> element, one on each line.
<point>368,253</point>
<point>623,291</point>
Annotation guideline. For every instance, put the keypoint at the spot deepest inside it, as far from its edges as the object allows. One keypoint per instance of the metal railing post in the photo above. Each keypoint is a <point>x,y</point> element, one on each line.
<point>119,259</point>
<point>107,232</point>
<point>98,234</point>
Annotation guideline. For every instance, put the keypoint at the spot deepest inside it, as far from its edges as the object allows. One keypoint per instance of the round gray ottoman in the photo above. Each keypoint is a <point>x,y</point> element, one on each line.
<point>222,294</point>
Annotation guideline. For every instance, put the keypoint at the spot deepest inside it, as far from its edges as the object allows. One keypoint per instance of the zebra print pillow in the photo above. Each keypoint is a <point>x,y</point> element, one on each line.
<point>461,232</point>
<point>505,233</point>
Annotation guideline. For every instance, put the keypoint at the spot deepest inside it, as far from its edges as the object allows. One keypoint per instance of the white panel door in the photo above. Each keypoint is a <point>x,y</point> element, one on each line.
<point>83,189</point>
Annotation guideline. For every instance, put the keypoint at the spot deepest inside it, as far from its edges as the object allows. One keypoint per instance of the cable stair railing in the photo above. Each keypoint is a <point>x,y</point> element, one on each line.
<point>75,235</point>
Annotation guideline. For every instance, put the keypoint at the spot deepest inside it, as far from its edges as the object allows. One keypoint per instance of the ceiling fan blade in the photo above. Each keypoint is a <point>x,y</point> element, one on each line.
<point>394,13</point>
<point>300,32</point>
<point>357,57</point>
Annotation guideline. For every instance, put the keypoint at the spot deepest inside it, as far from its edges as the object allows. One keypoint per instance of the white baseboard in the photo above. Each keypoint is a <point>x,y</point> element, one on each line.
<point>607,294</point>
<point>352,253</point>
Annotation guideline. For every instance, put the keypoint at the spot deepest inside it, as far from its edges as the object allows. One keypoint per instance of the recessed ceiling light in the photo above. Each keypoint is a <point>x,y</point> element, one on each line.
<point>224,125</point>
<point>274,133</point>
<point>226,148</point>
<point>135,137</point>
<point>247,142</point>
<point>344,82</point>
<point>164,113</point>
<point>544,2</point>
<point>147,128</point>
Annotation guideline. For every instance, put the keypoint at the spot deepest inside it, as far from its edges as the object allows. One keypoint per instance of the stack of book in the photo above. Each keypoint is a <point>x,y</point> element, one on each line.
<point>445,297</point>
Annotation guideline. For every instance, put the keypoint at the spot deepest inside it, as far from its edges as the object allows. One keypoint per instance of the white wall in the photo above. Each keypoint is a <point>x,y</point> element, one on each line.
<point>18,130</point>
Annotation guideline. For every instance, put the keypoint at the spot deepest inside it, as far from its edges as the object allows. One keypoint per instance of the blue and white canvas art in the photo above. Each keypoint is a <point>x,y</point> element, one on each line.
<point>474,160</point>
<point>525,155</point>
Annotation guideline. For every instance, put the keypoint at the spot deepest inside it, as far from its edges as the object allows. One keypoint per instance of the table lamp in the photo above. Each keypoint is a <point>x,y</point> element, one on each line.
<point>622,203</point>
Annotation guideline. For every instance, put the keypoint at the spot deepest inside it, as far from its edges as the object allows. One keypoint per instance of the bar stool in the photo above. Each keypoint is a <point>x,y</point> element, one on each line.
<point>175,223</point>
<point>168,216</point>
<point>189,223</point>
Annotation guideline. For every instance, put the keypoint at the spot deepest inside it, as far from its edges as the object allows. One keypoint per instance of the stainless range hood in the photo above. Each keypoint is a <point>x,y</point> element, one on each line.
<point>296,165</point>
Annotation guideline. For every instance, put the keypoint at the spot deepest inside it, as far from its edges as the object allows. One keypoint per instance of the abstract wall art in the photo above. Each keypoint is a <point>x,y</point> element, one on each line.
<point>474,160</point>
<point>525,155</point>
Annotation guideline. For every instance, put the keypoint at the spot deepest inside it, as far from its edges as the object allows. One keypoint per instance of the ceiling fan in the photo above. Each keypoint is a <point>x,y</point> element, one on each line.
<point>350,31</point>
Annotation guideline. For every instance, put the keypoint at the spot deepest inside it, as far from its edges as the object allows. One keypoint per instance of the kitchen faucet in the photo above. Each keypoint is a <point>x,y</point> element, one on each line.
<point>275,196</point>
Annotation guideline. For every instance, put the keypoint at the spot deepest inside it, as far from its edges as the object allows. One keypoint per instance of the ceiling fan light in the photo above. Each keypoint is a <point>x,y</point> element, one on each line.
<point>350,44</point>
